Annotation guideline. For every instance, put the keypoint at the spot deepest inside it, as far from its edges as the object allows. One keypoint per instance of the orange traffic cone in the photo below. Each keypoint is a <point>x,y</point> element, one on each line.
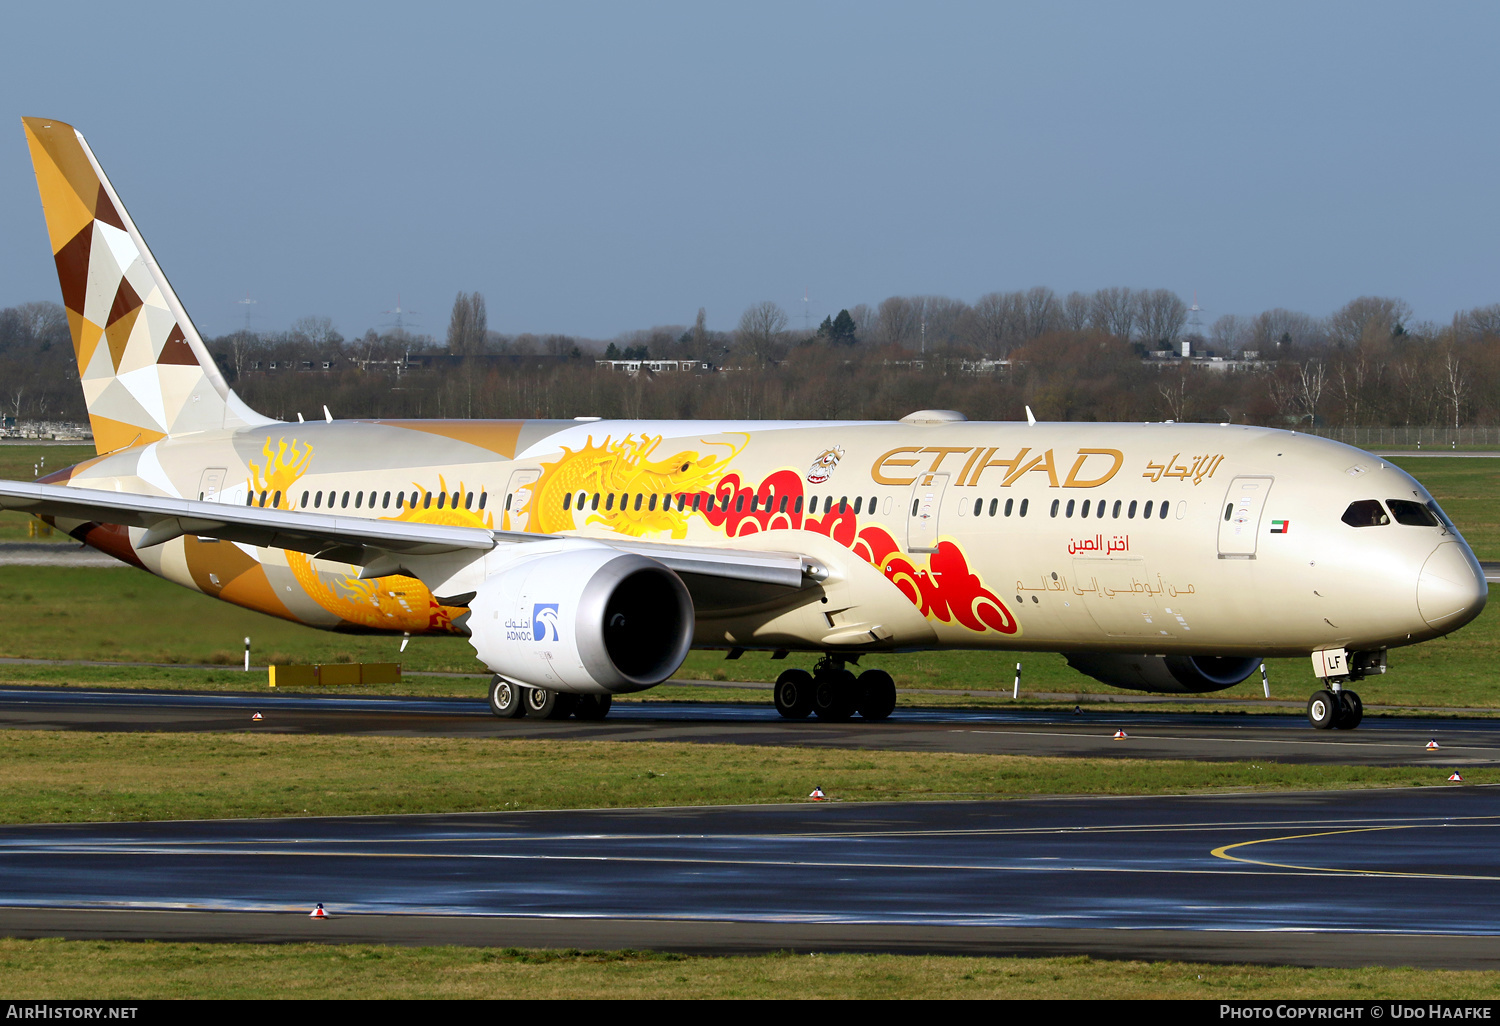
<point>1456,777</point>
<point>1432,746</point>
<point>318,912</point>
<point>257,717</point>
<point>1120,735</point>
<point>818,795</point>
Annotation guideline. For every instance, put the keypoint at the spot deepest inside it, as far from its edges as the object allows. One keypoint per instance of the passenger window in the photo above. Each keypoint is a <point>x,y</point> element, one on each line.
<point>844,504</point>
<point>697,501</point>
<point>385,501</point>
<point>1008,504</point>
<point>359,498</point>
<point>1117,509</point>
<point>859,501</point>
<point>344,502</point>
<point>442,497</point>
<point>1146,513</point>
<point>786,497</point>
<point>1365,513</point>
<point>872,506</point>
<point>1055,504</point>
<point>739,503</point>
<point>609,501</point>
<point>1024,504</point>
<point>276,502</point>
<point>454,503</point>
<point>317,500</point>
<point>797,508</point>
<point>1165,506</point>
<point>426,499</point>
<point>638,497</point>
<point>595,504</point>
<point>485,495</point>
<point>914,503</point>
<point>1412,514</point>
<point>468,500</point>
<point>1130,513</point>
<point>979,507</point>
<point>304,499</point>
<point>568,501</point>
<point>724,506</point>
<point>400,500</point>
<point>1070,508</point>
<point>1085,512</point>
<point>1102,504</point>
<point>651,506</point>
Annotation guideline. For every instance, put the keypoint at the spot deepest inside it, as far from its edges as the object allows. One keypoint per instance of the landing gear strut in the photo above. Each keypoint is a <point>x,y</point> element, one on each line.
<point>835,693</point>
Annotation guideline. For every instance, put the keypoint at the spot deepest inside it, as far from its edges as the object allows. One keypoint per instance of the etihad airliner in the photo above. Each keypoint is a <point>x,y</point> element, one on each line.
<point>583,559</point>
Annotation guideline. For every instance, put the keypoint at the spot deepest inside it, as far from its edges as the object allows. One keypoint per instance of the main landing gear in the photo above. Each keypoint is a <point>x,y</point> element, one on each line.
<point>835,693</point>
<point>509,700</point>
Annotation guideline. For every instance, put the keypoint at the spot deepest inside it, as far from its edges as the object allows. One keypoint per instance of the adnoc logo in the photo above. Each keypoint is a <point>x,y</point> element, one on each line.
<point>544,622</point>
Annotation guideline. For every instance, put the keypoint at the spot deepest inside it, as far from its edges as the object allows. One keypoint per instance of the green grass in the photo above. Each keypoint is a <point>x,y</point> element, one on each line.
<point>20,463</point>
<point>73,970</point>
<point>77,776</point>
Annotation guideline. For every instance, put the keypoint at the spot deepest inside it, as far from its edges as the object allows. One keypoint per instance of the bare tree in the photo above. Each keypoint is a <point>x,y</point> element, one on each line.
<point>899,322</point>
<point>1075,311</point>
<point>1162,315</point>
<point>1175,392</point>
<point>865,319</point>
<point>1368,319</point>
<point>1113,311</point>
<point>1480,322</point>
<point>1276,331</point>
<point>467,325</point>
<point>1455,383</point>
<point>1229,333</point>
<point>760,329</point>
<point>1042,311</point>
<point>1312,377</point>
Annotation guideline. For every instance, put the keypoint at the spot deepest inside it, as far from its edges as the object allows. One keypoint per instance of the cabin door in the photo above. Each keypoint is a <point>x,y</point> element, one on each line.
<point>211,484</point>
<point>922,528</point>
<point>1239,517</point>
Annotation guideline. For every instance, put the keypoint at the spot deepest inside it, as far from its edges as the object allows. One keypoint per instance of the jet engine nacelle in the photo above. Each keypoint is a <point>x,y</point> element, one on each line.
<point>582,618</point>
<point>1169,674</point>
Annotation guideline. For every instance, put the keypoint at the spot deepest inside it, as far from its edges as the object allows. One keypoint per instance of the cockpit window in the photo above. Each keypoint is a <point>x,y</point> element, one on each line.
<point>1365,513</point>
<point>1413,514</point>
<point>1437,511</point>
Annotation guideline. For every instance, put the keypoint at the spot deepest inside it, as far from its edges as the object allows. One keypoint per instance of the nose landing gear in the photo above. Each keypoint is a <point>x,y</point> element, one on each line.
<point>1336,707</point>
<point>1341,709</point>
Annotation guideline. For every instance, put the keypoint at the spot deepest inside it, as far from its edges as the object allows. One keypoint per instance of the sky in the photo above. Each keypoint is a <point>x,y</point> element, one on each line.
<point>598,168</point>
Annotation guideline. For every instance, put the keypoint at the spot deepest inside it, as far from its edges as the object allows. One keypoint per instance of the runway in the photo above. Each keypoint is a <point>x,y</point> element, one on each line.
<point>1153,735</point>
<point>1389,877</point>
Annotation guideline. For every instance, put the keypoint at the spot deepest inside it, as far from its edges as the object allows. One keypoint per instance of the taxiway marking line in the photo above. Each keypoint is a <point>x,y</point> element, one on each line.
<point>1282,870</point>
<point>1223,853</point>
<point>1221,740</point>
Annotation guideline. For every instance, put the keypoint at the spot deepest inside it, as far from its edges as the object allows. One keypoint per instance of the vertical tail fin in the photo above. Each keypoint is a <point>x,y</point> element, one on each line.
<point>146,373</point>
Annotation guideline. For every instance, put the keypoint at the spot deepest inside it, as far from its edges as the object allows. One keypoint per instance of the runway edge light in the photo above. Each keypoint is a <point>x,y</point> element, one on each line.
<point>1432,746</point>
<point>1120,735</point>
<point>818,795</point>
<point>1455,776</point>
<point>318,912</point>
<point>257,717</point>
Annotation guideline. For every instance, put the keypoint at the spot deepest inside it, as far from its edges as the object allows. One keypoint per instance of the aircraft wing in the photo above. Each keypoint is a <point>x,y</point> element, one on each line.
<point>361,541</point>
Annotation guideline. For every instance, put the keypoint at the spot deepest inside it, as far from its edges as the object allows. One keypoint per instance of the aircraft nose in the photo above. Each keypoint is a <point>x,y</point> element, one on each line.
<point>1451,590</point>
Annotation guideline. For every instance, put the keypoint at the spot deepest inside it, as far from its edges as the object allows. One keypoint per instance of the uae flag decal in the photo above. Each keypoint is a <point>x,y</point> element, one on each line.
<point>1280,526</point>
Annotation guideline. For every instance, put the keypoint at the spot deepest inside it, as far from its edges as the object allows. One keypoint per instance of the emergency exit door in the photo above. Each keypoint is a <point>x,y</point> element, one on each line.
<point>1239,517</point>
<point>922,512</point>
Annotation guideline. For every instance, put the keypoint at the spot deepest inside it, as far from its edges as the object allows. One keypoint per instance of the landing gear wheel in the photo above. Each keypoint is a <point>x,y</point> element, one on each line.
<point>1323,709</point>
<point>506,699</point>
<point>1352,711</point>
<point>548,705</point>
<point>592,707</point>
<point>794,694</point>
<point>877,694</point>
<point>835,695</point>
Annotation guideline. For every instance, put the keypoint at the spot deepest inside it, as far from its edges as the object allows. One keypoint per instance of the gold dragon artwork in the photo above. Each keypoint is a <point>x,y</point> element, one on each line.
<point>395,603</point>
<point>627,467</point>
